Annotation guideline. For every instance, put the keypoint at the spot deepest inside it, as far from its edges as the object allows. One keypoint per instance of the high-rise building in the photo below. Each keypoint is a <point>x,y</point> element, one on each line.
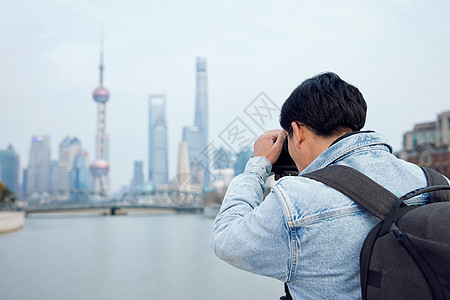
<point>158,152</point>
<point>79,175</point>
<point>202,166</point>
<point>428,144</point>
<point>138,175</point>
<point>9,169</point>
<point>201,102</point>
<point>79,179</point>
<point>191,136</point>
<point>69,149</point>
<point>24,181</point>
<point>38,174</point>
<point>100,167</point>
<point>54,175</point>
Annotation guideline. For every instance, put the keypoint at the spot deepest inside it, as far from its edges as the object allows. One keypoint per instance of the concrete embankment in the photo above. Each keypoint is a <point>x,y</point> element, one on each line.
<point>11,221</point>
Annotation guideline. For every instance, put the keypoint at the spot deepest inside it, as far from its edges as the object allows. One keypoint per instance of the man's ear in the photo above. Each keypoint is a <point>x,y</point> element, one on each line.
<point>298,133</point>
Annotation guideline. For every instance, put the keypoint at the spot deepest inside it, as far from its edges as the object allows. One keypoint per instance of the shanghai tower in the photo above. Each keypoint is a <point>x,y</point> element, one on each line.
<point>201,119</point>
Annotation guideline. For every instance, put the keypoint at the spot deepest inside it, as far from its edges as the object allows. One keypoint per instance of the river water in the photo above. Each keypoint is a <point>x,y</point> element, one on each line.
<point>137,256</point>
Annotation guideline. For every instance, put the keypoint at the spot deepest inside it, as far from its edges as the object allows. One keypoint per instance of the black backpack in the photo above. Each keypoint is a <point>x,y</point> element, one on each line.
<point>407,255</point>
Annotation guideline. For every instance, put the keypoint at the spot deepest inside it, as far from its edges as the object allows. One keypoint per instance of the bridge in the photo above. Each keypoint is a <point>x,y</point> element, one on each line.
<point>110,208</point>
<point>171,200</point>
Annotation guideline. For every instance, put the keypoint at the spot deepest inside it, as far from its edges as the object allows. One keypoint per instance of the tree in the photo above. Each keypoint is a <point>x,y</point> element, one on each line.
<point>6,196</point>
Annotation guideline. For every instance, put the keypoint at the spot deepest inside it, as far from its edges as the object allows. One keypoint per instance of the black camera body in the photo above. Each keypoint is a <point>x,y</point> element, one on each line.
<point>285,165</point>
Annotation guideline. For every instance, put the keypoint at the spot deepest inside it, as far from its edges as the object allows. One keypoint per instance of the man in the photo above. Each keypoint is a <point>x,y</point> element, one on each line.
<point>305,233</point>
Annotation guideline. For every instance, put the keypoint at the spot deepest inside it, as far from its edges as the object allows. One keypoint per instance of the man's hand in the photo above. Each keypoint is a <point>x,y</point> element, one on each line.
<point>269,144</point>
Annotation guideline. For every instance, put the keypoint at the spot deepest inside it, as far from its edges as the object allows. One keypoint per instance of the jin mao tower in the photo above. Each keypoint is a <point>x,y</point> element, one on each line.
<point>158,154</point>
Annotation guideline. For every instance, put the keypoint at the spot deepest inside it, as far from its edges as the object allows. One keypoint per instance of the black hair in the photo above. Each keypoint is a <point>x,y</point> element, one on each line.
<point>326,104</point>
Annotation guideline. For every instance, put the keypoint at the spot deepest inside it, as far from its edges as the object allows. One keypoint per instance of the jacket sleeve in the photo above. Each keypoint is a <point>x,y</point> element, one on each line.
<point>248,233</point>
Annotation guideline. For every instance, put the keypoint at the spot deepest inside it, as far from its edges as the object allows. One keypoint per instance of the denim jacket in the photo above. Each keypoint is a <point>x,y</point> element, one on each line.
<point>306,233</point>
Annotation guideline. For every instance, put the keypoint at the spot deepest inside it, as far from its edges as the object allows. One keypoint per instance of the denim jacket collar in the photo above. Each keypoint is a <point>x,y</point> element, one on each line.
<point>345,146</point>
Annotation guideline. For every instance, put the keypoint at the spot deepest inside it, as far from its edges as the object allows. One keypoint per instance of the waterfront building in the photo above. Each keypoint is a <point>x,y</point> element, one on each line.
<point>9,169</point>
<point>100,167</point>
<point>38,174</point>
<point>158,150</point>
<point>428,144</point>
<point>138,176</point>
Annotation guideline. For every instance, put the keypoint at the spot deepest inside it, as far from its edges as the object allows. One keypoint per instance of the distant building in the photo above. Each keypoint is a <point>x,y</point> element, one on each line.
<point>138,175</point>
<point>183,177</point>
<point>80,175</point>
<point>79,179</point>
<point>428,144</point>
<point>241,160</point>
<point>69,149</point>
<point>223,159</point>
<point>191,136</point>
<point>222,171</point>
<point>9,169</point>
<point>158,151</point>
<point>24,181</point>
<point>222,178</point>
<point>38,174</point>
<point>53,175</point>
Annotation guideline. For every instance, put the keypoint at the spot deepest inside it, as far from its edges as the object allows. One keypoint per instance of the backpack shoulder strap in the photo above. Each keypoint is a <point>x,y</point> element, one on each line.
<point>435,178</point>
<point>357,186</point>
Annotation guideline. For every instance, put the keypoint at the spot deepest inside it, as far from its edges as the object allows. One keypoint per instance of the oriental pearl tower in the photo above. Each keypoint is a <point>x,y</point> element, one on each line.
<point>100,167</point>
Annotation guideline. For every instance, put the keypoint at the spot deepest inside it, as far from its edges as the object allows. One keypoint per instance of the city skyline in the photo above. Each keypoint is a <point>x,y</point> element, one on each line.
<point>395,52</point>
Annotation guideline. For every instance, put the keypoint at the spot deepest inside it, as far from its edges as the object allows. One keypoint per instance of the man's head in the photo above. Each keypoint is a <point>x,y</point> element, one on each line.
<point>318,111</point>
<point>326,105</point>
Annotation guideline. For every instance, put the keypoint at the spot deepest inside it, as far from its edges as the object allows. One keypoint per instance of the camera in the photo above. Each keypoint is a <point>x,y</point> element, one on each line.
<point>285,165</point>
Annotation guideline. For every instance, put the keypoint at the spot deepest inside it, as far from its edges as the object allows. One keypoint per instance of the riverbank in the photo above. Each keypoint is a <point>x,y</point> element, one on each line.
<point>11,221</point>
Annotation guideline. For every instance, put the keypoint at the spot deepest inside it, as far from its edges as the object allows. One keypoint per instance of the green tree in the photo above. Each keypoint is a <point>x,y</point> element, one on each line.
<point>6,195</point>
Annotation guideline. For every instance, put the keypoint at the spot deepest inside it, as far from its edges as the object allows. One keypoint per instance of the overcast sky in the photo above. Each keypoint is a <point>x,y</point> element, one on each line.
<point>396,52</point>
